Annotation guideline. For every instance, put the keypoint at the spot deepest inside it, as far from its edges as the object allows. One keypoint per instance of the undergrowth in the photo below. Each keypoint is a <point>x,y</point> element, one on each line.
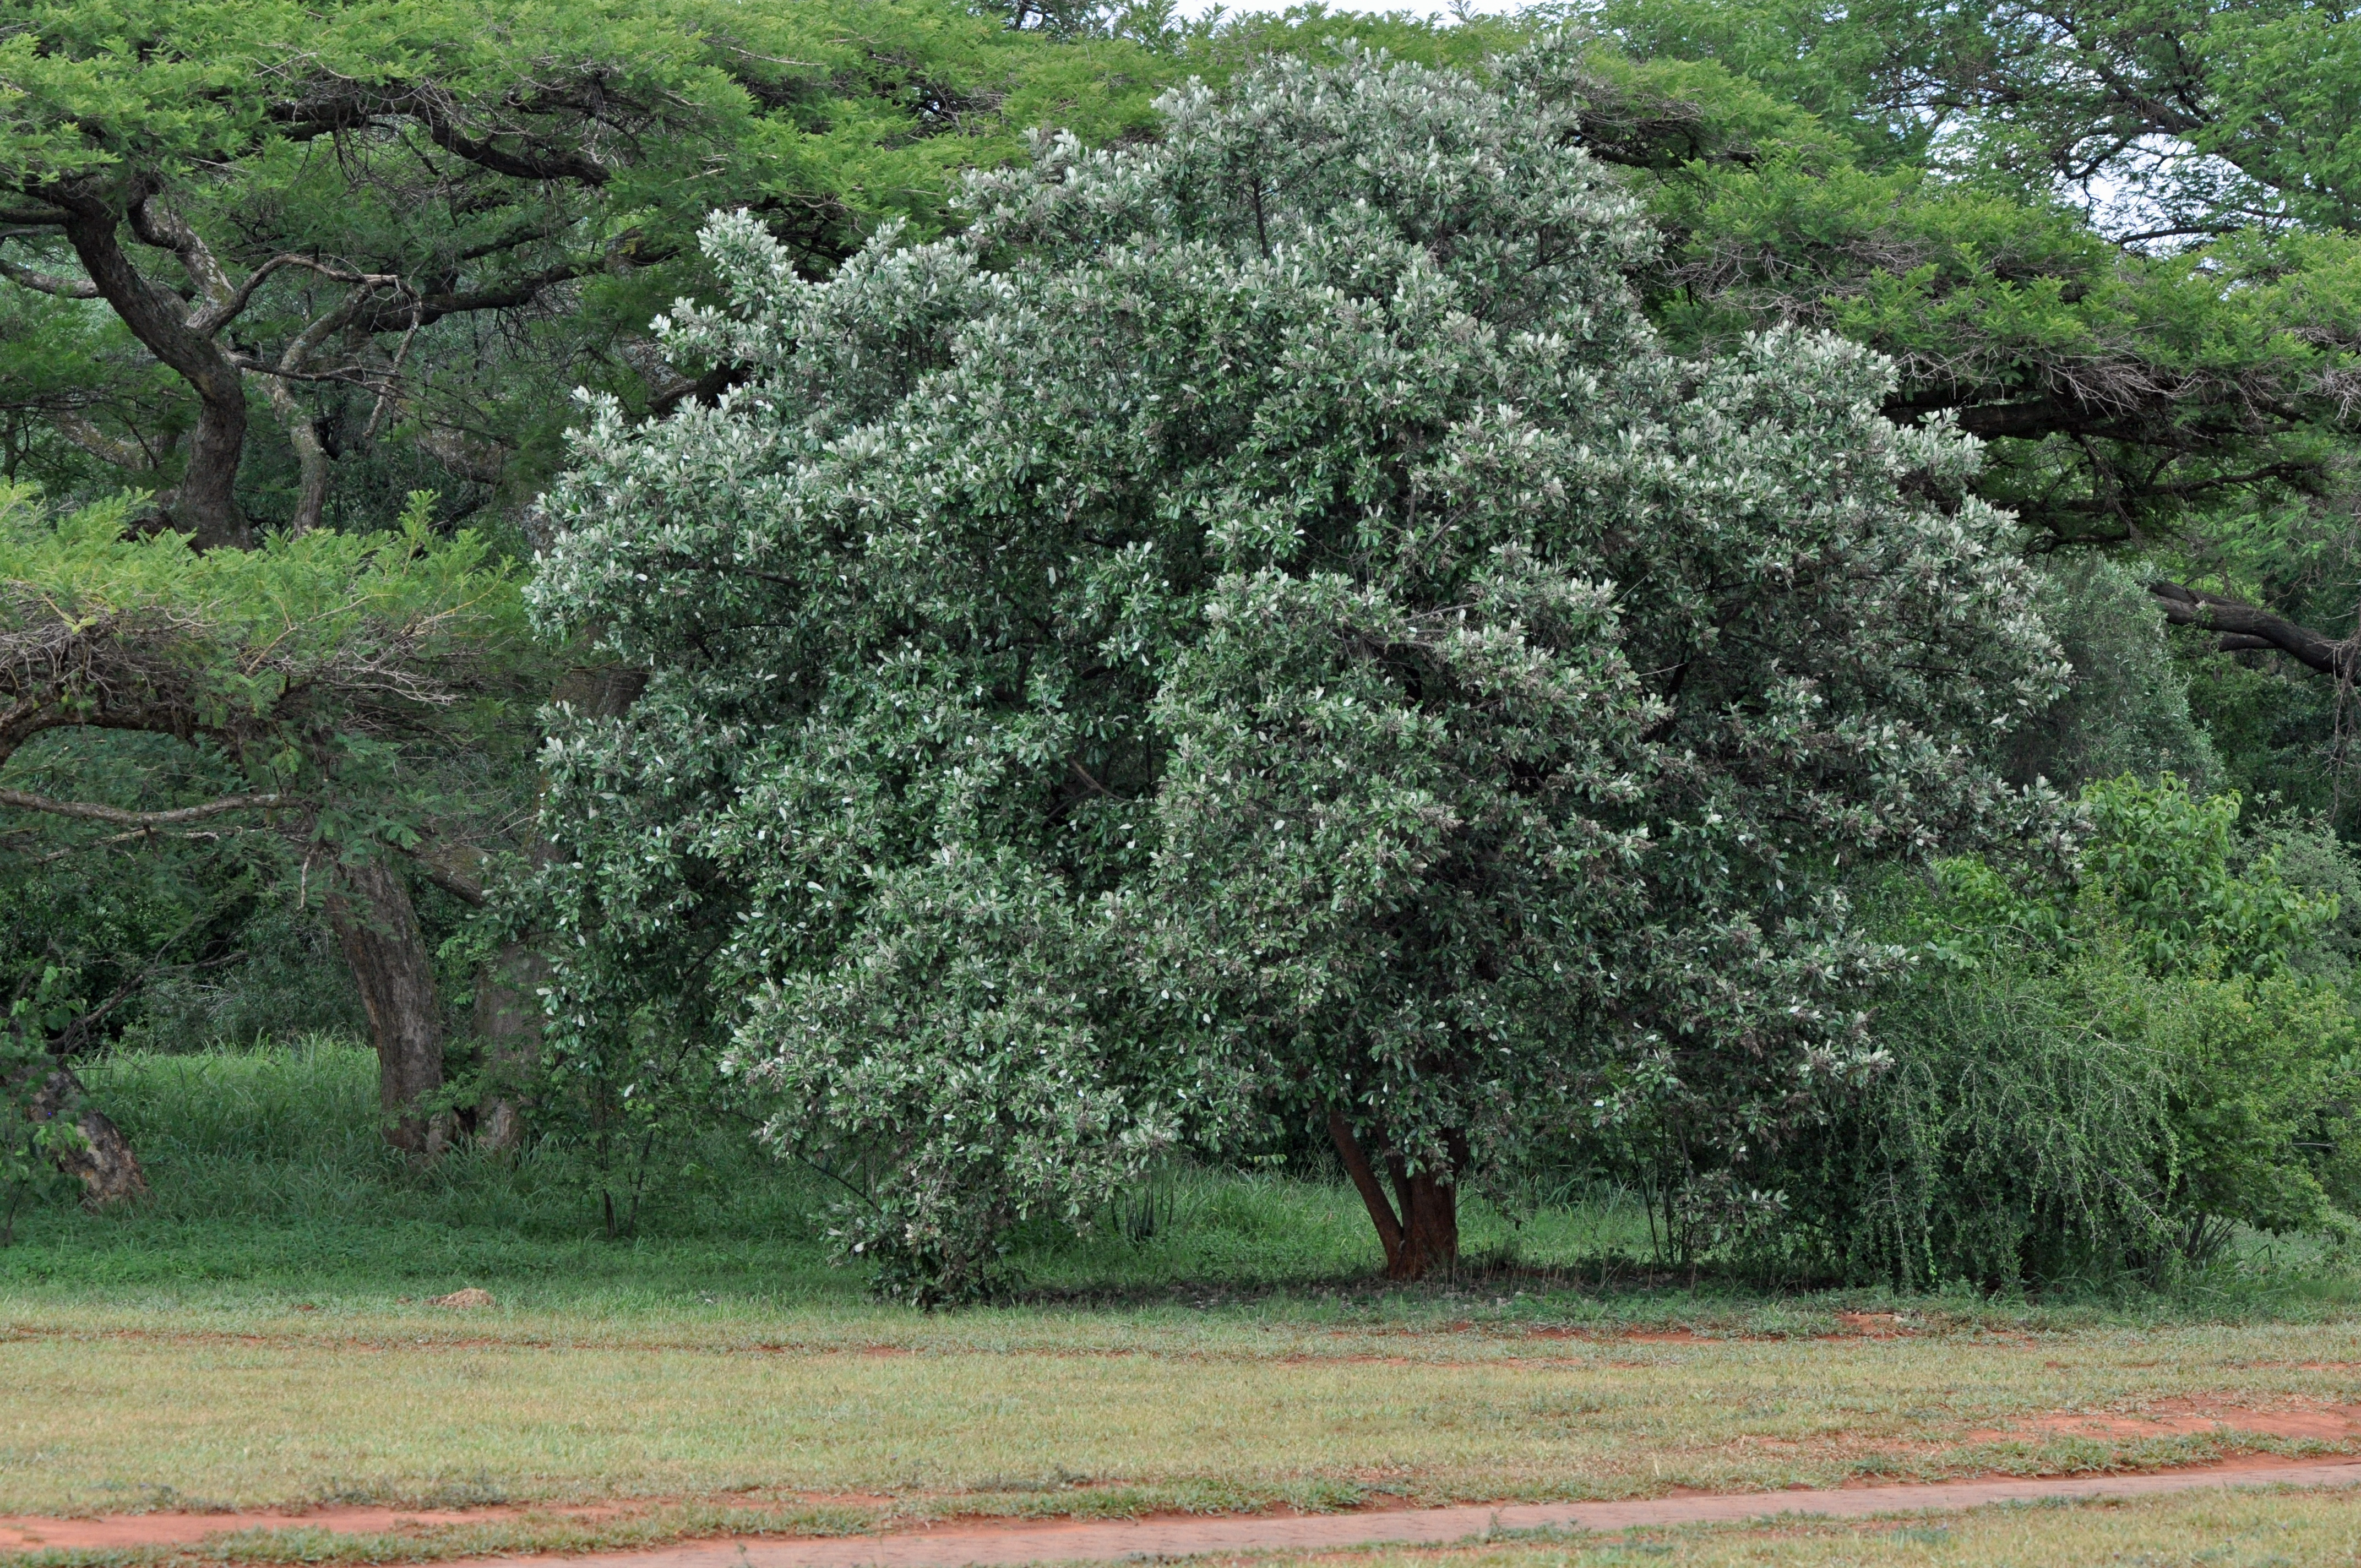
<point>269,1179</point>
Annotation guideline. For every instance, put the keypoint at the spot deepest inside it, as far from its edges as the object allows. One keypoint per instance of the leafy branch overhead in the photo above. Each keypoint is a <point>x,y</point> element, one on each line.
<point>277,656</point>
<point>337,212</point>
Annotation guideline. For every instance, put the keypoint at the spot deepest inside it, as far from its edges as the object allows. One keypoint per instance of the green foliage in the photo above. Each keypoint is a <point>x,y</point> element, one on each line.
<point>324,697</point>
<point>2101,1076</point>
<point>2162,874</point>
<point>2012,1140</point>
<point>521,186</point>
<point>2125,708</point>
<point>298,664</point>
<point>1204,645</point>
<point>29,1145</point>
<point>2159,866</point>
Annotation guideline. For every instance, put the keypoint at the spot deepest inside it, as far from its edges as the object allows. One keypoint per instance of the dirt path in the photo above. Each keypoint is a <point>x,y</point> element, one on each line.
<point>970,1545</point>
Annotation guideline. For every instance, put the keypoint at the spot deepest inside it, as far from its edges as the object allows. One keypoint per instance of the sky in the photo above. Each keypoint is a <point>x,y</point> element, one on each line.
<point>1417,7</point>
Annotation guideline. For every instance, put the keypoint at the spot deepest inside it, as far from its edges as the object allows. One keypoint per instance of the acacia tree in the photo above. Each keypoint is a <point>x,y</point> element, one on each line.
<point>296,692</point>
<point>1260,624</point>
<point>276,265</point>
<point>400,235</point>
<point>2116,238</point>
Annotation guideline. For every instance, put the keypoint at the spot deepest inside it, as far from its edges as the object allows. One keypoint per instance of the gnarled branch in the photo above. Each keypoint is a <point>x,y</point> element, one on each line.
<point>48,282</point>
<point>2244,627</point>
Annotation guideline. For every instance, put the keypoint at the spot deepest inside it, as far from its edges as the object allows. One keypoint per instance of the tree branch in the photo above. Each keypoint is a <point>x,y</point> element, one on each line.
<point>2244,627</point>
<point>227,309</point>
<point>159,226</point>
<point>48,282</point>
<point>534,164</point>
<point>447,877</point>
<point>1373,1196</point>
<point>310,456</point>
<point>91,811</point>
<point>206,499</point>
<point>107,449</point>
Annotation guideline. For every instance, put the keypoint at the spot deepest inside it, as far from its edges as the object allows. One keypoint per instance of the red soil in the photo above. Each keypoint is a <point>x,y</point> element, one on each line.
<point>969,1542</point>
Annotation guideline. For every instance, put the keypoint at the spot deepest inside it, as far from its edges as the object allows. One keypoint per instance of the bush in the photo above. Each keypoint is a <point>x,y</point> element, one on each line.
<point>2089,1079</point>
<point>2125,708</point>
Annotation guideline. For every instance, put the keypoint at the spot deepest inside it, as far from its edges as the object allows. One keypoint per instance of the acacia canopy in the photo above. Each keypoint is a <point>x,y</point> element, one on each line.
<point>406,230</point>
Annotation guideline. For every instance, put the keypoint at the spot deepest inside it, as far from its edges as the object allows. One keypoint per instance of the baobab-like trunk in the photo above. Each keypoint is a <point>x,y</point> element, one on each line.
<point>376,927</point>
<point>1422,1238</point>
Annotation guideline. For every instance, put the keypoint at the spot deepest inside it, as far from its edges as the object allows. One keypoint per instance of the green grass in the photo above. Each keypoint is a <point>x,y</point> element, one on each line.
<point>2258,1529</point>
<point>269,1175</point>
<point>271,1183</point>
<point>257,1333</point>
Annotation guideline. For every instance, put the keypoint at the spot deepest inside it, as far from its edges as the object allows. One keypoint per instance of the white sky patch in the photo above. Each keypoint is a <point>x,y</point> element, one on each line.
<point>1194,8</point>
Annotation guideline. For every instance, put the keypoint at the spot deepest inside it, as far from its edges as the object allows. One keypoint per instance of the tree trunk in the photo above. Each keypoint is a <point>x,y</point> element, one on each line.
<point>205,501</point>
<point>508,988</point>
<point>311,461</point>
<point>109,1171</point>
<point>1430,1205</point>
<point>508,1022</point>
<point>1422,1238</point>
<point>378,929</point>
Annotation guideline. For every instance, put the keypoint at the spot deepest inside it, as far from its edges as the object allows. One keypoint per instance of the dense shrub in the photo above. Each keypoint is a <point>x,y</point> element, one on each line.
<point>2097,1076</point>
<point>2126,706</point>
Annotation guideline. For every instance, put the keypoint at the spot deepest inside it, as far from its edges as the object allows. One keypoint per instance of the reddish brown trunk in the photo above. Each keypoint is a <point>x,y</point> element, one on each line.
<point>1423,1237</point>
<point>378,930</point>
<point>1430,1204</point>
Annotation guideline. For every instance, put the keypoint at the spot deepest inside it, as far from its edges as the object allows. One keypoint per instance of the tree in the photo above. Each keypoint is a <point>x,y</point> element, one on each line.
<point>2113,238</point>
<point>298,690</point>
<point>279,264</point>
<point>399,236</point>
<point>2133,390</point>
<point>1260,625</point>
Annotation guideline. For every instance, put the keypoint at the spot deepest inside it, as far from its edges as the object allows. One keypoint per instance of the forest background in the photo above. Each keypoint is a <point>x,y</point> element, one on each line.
<point>317,290</point>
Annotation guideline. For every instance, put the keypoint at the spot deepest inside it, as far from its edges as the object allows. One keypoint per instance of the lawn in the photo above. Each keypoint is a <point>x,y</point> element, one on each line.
<point>2205,1531</point>
<point>258,1334</point>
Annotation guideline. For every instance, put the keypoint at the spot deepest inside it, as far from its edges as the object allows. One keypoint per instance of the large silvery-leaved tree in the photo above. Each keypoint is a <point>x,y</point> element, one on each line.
<point>1259,626</point>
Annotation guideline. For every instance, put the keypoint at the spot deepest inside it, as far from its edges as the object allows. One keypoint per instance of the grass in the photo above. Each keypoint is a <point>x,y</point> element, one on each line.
<point>256,1335</point>
<point>269,1174</point>
<point>2203,1529</point>
<point>2220,1528</point>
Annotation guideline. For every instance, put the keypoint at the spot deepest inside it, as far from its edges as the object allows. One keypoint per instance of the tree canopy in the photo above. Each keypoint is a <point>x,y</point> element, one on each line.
<point>404,232</point>
<point>1260,624</point>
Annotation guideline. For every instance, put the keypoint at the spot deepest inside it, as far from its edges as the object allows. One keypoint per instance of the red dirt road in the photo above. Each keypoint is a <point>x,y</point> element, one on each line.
<point>1007,1546</point>
<point>128,1531</point>
<point>972,1545</point>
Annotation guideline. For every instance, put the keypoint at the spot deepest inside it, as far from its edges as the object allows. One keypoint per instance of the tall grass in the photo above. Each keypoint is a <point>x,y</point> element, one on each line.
<point>269,1176</point>
<point>266,1168</point>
